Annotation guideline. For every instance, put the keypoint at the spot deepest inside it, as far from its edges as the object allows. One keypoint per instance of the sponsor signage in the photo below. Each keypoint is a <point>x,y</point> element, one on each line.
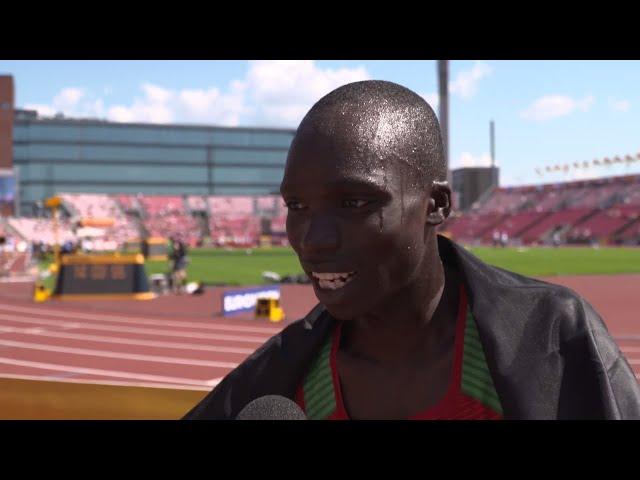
<point>239,301</point>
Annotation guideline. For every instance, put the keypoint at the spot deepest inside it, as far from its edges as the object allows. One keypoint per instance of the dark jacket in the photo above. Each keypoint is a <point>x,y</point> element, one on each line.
<point>548,351</point>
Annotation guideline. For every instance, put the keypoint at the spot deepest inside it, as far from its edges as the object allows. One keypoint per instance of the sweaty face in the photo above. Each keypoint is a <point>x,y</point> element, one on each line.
<point>355,223</point>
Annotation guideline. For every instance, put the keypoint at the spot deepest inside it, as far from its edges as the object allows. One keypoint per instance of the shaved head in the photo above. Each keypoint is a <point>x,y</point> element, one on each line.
<point>379,122</point>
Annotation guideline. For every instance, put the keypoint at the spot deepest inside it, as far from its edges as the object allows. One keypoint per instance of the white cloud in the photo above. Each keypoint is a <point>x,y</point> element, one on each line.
<point>162,105</point>
<point>465,85</point>
<point>42,109</point>
<point>467,159</point>
<point>554,106</point>
<point>282,91</point>
<point>466,82</point>
<point>68,98</point>
<point>619,105</point>
<point>71,102</point>
<point>273,93</point>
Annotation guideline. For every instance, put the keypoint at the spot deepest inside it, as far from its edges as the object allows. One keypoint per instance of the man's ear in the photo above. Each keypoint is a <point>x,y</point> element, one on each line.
<point>439,203</point>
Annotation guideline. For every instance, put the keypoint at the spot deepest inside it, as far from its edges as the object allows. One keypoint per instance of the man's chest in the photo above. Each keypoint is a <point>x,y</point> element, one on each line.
<point>370,391</point>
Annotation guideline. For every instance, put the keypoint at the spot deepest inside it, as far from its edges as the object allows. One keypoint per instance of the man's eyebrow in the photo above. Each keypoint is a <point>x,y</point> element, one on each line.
<point>358,184</point>
<point>343,184</point>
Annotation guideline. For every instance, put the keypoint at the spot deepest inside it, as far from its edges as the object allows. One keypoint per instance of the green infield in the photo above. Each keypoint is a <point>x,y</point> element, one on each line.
<point>542,262</point>
<point>234,267</point>
<point>245,267</point>
<point>238,268</point>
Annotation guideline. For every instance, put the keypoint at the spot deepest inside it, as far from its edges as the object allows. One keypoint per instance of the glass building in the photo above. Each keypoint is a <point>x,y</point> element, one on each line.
<point>55,155</point>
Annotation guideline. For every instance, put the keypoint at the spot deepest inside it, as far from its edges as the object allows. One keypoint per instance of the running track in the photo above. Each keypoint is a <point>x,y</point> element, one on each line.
<point>176,342</point>
<point>56,341</point>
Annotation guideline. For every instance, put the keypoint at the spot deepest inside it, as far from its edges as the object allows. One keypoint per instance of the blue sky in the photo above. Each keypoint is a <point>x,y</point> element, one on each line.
<point>547,113</point>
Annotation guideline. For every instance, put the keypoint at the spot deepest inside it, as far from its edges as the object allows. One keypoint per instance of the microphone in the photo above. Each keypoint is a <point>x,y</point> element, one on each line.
<point>271,407</point>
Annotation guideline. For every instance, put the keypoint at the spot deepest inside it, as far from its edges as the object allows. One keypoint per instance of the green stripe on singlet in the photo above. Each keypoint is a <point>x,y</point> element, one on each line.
<point>476,378</point>
<point>319,397</point>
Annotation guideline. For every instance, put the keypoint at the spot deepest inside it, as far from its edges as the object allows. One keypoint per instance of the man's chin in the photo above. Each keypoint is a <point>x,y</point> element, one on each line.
<point>347,309</point>
<point>349,301</point>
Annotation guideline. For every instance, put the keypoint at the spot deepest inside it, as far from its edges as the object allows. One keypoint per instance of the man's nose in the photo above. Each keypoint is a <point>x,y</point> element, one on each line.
<point>321,235</point>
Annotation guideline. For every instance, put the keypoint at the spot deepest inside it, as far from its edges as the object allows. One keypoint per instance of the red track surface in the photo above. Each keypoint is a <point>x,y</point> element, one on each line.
<point>179,342</point>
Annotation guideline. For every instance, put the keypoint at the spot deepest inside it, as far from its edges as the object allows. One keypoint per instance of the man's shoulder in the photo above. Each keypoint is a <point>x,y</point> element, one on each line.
<point>273,369</point>
<point>496,293</point>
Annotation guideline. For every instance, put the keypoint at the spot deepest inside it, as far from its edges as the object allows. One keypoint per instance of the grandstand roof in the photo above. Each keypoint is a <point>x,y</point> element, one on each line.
<point>622,179</point>
<point>22,118</point>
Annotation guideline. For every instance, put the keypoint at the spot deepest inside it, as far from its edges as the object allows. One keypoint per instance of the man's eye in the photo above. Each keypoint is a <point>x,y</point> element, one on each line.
<point>354,203</point>
<point>294,205</point>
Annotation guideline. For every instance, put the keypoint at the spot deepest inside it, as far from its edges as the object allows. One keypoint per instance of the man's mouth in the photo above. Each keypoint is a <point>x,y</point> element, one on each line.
<point>333,281</point>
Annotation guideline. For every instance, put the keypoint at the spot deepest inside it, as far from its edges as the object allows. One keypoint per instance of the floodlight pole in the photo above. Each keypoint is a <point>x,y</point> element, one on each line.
<point>443,94</point>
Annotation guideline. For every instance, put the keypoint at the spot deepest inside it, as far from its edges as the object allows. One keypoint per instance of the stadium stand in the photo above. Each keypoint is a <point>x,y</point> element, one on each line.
<point>230,205</point>
<point>129,203</point>
<point>514,225</point>
<point>593,196</point>
<point>279,224</point>
<point>631,196</point>
<point>235,230</point>
<point>604,224</point>
<point>266,205</point>
<point>232,221</point>
<point>472,226</point>
<point>630,235</point>
<point>167,217</point>
<point>507,201</point>
<point>603,211</point>
<point>156,206</point>
<point>554,199</point>
<point>92,205</point>
<point>85,207</point>
<point>228,220</point>
<point>555,221</point>
<point>41,230</point>
<point>196,203</point>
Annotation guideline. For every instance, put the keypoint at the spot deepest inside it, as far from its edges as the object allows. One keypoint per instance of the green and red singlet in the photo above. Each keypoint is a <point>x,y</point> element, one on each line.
<point>470,396</point>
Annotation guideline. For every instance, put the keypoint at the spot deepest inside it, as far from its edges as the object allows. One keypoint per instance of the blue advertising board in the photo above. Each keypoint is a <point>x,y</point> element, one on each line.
<point>240,301</point>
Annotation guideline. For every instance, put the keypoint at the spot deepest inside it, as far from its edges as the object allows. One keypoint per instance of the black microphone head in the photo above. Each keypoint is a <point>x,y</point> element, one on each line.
<point>271,407</point>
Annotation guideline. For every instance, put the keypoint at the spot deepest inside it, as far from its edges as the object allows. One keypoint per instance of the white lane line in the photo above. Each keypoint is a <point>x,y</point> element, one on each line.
<point>43,332</point>
<point>139,321</point>
<point>114,383</point>
<point>104,373</point>
<point>118,355</point>
<point>145,331</point>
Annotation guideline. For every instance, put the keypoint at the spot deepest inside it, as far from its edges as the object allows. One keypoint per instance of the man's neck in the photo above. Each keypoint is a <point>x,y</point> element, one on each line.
<point>414,329</point>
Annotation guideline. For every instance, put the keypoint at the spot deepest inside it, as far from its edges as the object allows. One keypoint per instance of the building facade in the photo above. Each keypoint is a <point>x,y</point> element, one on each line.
<point>470,183</point>
<point>55,155</point>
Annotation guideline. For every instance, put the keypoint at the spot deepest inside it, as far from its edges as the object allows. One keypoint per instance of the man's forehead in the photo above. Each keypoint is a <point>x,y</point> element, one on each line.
<point>343,173</point>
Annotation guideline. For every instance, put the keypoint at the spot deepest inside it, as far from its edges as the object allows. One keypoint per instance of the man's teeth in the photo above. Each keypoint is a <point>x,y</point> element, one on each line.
<point>333,281</point>
<point>332,276</point>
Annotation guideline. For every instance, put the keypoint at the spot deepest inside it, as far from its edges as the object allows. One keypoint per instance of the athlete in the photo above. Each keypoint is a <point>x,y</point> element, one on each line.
<point>409,324</point>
